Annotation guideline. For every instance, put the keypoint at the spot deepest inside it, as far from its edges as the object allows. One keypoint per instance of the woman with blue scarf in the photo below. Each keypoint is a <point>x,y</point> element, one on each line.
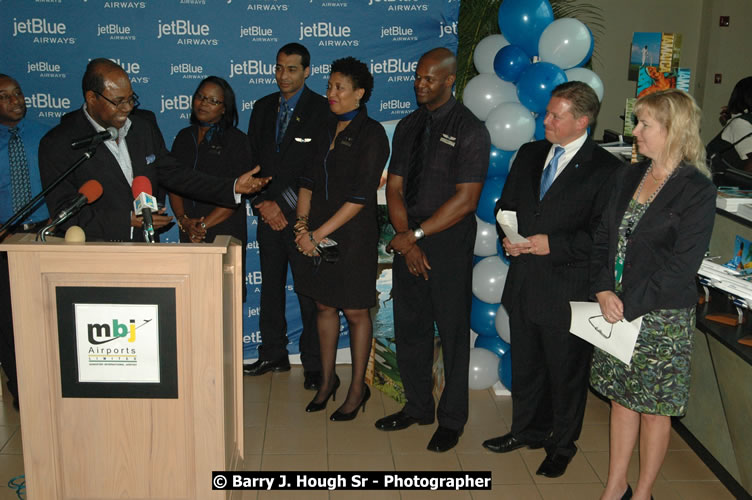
<point>337,204</point>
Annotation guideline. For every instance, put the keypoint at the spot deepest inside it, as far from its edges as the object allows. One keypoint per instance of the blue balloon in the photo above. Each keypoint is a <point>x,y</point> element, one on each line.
<point>488,197</point>
<point>483,318</point>
<point>590,51</point>
<point>522,22</point>
<point>540,129</point>
<point>498,164</point>
<point>495,345</point>
<point>536,83</point>
<point>501,253</point>
<point>510,61</point>
<point>505,369</point>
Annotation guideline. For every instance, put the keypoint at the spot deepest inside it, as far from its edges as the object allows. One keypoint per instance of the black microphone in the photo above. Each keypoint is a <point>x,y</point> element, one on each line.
<point>89,192</point>
<point>93,140</point>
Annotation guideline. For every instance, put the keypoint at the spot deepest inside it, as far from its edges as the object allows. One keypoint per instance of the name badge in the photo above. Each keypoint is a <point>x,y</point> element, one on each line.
<point>448,139</point>
<point>346,141</point>
<point>302,139</point>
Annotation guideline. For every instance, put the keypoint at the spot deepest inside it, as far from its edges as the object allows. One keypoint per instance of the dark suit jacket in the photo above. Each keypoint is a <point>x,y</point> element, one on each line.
<point>568,214</point>
<point>297,148</point>
<point>665,248</point>
<point>109,217</point>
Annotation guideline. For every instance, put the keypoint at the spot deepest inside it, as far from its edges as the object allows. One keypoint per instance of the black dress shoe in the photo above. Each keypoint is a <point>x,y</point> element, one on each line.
<point>311,381</point>
<point>553,465</point>
<point>314,406</point>
<point>508,442</point>
<point>444,439</point>
<point>398,421</point>
<point>262,366</point>
<point>340,416</point>
<point>628,494</point>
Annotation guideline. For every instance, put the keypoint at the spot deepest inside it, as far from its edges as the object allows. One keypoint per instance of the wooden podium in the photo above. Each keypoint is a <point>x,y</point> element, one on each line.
<point>86,436</point>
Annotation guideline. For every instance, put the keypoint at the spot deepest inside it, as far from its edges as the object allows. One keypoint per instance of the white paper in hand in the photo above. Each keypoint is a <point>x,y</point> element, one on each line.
<point>507,219</point>
<point>618,339</point>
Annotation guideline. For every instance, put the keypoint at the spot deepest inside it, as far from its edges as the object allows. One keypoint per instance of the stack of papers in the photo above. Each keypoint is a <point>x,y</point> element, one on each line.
<point>726,280</point>
<point>729,199</point>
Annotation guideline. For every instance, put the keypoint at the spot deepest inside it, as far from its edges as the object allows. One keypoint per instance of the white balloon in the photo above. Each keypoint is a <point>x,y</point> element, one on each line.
<point>485,238</point>
<point>486,50</point>
<point>489,276</point>
<point>502,324</point>
<point>586,76</point>
<point>510,125</point>
<point>565,43</point>
<point>484,369</point>
<point>484,92</point>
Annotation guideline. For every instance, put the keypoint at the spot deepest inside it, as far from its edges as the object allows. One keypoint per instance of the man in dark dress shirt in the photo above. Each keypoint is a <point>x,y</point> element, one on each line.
<point>137,151</point>
<point>281,131</point>
<point>439,160</point>
<point>26,134</point>
<point>556,186</point>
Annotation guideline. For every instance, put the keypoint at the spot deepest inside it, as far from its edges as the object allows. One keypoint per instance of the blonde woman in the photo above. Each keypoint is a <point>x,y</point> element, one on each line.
<point>646,252</point>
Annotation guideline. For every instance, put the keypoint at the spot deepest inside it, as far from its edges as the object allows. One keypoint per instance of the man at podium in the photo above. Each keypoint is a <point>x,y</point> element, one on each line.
<point>135,151</point>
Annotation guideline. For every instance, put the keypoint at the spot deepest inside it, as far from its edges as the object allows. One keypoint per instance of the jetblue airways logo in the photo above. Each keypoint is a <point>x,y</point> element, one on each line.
<point>447,29</point>
<point>188,32</point>
<point>258,34</point>
<point>258,72</point>
<point>45,69</point>
<point>398,33</point>
<point>337,36</point>
<point>43,31</point>
<point>175,103</point>
<point>115,32</point>
<point>401,5</point>
<point>187,70</point>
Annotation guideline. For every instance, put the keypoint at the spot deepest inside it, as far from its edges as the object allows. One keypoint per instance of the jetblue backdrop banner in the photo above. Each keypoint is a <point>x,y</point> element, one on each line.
<point>168,46</point>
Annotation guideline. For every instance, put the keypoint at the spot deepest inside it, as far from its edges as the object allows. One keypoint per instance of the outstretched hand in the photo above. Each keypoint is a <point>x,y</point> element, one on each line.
<point>248,184</point>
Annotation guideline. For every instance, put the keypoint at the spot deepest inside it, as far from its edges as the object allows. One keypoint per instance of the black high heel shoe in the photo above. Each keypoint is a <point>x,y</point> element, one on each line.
<point>628,494</point>
<point>314,406</point>
<point>340,416</point>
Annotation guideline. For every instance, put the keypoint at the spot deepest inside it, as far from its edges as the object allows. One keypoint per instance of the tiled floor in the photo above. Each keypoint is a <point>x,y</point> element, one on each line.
<point>281,436</point>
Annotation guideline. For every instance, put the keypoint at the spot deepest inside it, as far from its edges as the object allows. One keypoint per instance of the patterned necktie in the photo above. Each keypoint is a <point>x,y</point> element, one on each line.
<point>20,185</point>
<point>284,120</point>
<point>550,172</point>
<point>419,158</point>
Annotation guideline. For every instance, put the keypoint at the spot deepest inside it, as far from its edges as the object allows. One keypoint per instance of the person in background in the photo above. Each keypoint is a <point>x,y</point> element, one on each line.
<point>647,249</point>
<point>213,145</point>
<point>337,203</point>
<point>732,147</point>
<point>19,183</point>
<point>282,131</point>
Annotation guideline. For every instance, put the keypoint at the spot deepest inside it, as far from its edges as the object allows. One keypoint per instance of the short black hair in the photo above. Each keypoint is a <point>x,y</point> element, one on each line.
<point>230,117</point>
<point>296,48</point>
<point>741,97</point>
<point>358,74</point>
<point>94,75</point>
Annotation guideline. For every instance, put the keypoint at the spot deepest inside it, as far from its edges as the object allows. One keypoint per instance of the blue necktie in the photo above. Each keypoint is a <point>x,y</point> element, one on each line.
<point>20,185</point>
<point>550,172</point>
<point>284,120</point>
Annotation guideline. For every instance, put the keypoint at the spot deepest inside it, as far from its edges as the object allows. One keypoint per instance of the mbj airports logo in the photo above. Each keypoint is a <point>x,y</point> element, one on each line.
<point>42,31</point>
<point>186,32</point>
<point>401,5</point>
<point>329,34</point>
<point>117,342</point>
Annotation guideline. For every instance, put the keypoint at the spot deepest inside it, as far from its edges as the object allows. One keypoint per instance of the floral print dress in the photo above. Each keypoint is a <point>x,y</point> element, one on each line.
<point>657,381</point>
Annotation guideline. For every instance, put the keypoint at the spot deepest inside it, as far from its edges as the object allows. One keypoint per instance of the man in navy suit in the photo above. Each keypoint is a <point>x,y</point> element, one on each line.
<point>138,150</point>
<point>281,130</point>
<point>556,187</point>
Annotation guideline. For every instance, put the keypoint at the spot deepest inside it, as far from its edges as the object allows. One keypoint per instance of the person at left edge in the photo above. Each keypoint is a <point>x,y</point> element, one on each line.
<point>19,140</point>
<point>109,99</point>
<point>282,132</point>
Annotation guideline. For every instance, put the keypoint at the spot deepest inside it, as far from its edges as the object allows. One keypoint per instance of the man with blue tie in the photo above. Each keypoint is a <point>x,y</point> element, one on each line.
<point>557,186</point>
<point>19,183</point>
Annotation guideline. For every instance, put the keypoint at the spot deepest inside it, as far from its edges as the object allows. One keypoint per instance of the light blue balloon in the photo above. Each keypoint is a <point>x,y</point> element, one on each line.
<point>505,369</point>
<point>536,84</point>
<point>540,129</point>
<point>522,22</point>
<point>510,61</point>
<point>495,345</point>
<point>590,52</point>
<point>489,195</point>
<point>498,163</point>
<point>483,318</point>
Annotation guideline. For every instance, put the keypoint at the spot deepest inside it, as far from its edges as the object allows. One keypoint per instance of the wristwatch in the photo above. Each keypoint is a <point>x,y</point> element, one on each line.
<point>418,233</point>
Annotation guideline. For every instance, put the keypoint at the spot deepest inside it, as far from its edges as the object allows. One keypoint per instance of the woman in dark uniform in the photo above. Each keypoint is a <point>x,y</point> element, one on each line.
<point>213,145</point>
<point>337,202</point>
<point>646,251</point>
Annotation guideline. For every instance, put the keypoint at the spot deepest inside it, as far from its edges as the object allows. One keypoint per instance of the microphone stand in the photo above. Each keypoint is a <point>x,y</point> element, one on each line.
<point>24,211</point>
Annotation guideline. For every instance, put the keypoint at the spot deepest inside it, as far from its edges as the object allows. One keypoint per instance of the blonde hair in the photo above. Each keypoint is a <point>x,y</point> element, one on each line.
<point>680,115</point>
